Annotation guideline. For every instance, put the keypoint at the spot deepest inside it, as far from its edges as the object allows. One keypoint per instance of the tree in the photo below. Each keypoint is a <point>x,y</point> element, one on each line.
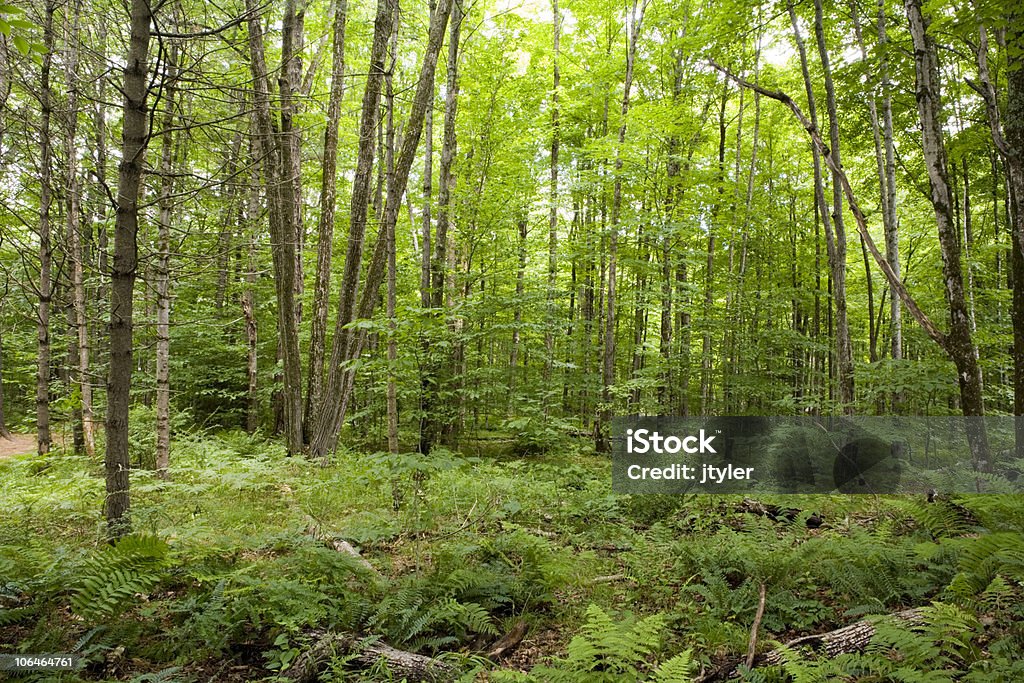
<point>135,136</point>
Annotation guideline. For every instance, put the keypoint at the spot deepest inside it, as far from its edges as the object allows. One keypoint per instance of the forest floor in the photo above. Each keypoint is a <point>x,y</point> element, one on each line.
<point>17,444</point>
<point>236,565</point>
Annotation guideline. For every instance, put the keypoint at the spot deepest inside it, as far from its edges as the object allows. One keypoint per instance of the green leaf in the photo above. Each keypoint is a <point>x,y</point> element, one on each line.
<point>22,45</point>
<point>10,9</point>
<point>5,28</point>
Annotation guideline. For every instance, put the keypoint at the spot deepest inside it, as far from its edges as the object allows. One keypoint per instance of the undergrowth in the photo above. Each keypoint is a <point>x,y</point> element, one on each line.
<point>232,570</point>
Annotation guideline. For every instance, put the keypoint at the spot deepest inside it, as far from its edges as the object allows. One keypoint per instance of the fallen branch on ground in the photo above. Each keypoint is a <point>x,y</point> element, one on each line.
<point>848,639</point>
<point>509,641</point>
<point>365,653</point>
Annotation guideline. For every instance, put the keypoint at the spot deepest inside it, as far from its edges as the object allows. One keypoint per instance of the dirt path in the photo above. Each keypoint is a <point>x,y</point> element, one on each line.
<point>17,444</point>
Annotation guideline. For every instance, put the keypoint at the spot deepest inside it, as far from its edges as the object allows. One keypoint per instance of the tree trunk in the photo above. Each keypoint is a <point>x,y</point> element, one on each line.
<point>960,343</point>
<point>325,226</point>
<point>549,335</point>
<point>706,391</point>
<point>45,289</point>
<point>608,364</point>
<point>126,226</point>
<point>4,432</point>
<point>163,263</point>
<point>844,347</point>
<point>248,301</point>
<point>80,344</point>
<point>431,426</point>
<point>349,343</point>
<point>282,205</point>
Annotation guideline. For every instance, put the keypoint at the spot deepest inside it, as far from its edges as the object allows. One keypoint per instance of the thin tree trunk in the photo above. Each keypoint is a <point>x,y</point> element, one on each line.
<point>706,395</point>
<point>844,347</point>
<point>80,319</point>
<point>325,226</point>
<point>126,225</point>
<point>45,288</point>
<point>549,336</point>
<point>347,345</point>
<point>431,425</point>
<point>517,313</point>
<point>608,364</point>
<point>248,301</point>
<point>960,344</point>
<point>163,271</point>
<point>281,201</point>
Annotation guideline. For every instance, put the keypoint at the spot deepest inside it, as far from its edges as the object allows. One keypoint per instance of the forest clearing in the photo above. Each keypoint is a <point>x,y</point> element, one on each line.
<point>327,331</point>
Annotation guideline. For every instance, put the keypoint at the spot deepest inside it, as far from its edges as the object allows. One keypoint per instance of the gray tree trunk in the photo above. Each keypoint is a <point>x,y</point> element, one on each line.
<point>45,288</point>
<point>325,226</point>
<point>126,225</point>
<point>328,415</point>
<point>960,342</point>
<point>163,266</point>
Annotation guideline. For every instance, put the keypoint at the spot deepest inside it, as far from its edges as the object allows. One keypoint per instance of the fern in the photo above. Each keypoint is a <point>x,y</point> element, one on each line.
<point>608,651</point>
<point>111,578</point>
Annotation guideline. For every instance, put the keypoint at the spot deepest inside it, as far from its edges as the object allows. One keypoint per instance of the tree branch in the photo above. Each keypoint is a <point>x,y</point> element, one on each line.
<point>937,335</point>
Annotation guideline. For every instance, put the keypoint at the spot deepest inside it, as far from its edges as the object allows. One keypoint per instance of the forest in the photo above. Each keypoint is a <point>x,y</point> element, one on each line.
<point>319,321</point>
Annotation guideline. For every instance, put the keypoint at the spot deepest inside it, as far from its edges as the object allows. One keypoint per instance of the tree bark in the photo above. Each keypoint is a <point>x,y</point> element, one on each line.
<point>960,342</point>
<point>163,265</point>
<point>348,344</point>
<point>126,226</point>
<point>844,347</point>
<point>80,345</point>
<point>281,202</point>
<point>325,226</point>
<point>608,362</point>
<point>45,288</point>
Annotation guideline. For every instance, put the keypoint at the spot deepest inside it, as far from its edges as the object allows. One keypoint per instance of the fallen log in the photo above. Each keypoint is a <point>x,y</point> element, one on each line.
<point>845,640</point>
<point>342,546</point>
<point>365,653</point>
<point>776,512</point>
<point>508,642</point>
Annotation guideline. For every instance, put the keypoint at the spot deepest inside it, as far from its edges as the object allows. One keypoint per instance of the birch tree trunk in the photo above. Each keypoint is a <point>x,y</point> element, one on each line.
<point>126,226</point>
<point>960,343</point>
<point>163,262</point>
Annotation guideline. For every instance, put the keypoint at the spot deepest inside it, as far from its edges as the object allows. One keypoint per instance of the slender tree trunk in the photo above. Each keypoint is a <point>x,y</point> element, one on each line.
<point>348,346</point>
<point>136,138</point>
<point>517,312</point>
<point>706,395</point>
<point>45,288</point>
<point>608,362</point>
<point>432,415</point>
<point>281,201</point>
<point>80,321</point>
<point>960,342</point>
<point>325,226</point>
<point>248,301</point>
<point>549,335</point>
<point>1014,130</point>
<point>163,263</point>
<point>844,347</point>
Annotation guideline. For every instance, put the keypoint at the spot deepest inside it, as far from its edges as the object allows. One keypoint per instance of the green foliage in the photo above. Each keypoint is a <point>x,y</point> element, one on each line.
<point>608,651</point>
<point>110,579</point>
